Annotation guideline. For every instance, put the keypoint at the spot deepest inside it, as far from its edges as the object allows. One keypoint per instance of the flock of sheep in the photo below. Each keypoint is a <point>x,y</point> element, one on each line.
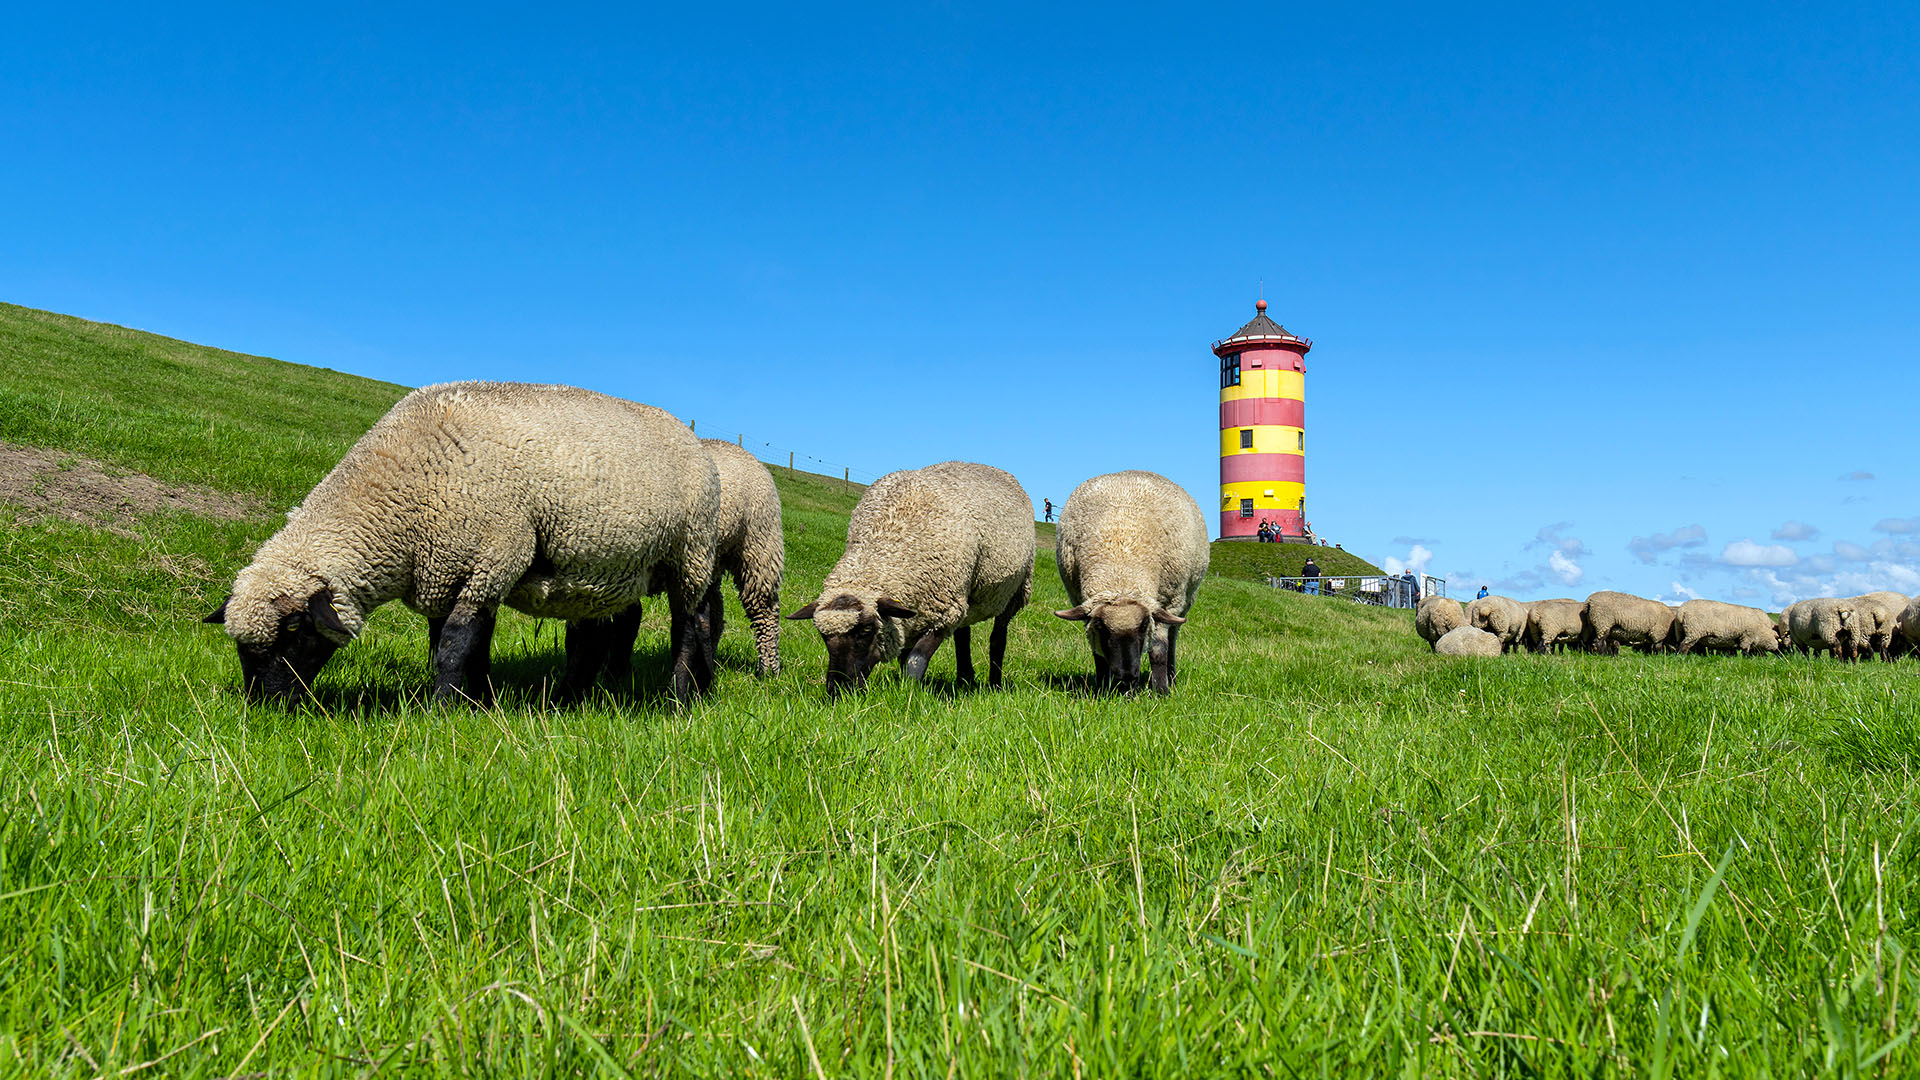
<point>1883,624</point>
<point>569,504</point>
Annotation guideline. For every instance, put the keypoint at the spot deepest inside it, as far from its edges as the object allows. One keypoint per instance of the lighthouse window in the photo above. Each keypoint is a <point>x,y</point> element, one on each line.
<point>1246,508</point>
<point>1230,370</point>
<point>1246,438</point>
<point>1303,440</point>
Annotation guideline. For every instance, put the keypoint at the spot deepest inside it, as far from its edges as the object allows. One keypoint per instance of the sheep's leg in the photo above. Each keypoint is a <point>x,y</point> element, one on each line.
<point>587,641</point>
<point>692,659</point>
<point>1158,655</point>
<point>963,655</point>
<point>1173,656</point>
<point>435,627</point>
<point>618,635</point>
<point>915,662</point>
<point>763,615</point>
<point>464,634</point>
<point>997,643</point>
<point>714,610</point>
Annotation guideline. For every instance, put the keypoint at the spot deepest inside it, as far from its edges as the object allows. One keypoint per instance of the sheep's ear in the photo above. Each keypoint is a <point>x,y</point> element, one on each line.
<point>805,612</point>
<point>1169,618</point>
<point>219,616</point>
<point>894,609</point>
<point>320,606</point>
<point>1076,614</point>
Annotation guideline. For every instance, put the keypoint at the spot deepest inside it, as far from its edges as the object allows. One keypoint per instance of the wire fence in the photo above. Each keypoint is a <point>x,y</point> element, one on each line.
<point>1377,590</point>
<point>785,455</point>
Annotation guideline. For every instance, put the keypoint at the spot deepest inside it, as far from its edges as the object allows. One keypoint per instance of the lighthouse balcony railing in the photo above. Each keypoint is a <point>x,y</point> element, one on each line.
<point>1375,590</point>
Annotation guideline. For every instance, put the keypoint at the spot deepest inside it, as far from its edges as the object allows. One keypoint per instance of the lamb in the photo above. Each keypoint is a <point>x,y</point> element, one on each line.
<point>1616,618</point>
<point>929,553</point>
<point>1504,618</point>
<point>1554,624</point>
<point>1710,624</point>
<point>557,501</point>
<point>1879,615</point>
<point>1435,616</point>
<point>1826,626</point>
<point>1468,641</point>
<point>1132,549</point>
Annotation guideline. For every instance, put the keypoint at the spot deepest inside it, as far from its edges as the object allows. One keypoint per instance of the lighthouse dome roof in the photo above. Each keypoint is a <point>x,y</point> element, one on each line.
<point>1261,330</point>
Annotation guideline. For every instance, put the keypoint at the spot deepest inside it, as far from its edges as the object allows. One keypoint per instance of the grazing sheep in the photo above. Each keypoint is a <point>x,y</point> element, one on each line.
<point>557,501</point>
<point>1435,616</point>
<point>1552,625</point>
<point>1468,641</point>
<point>1826,626</point>
<point>929,553</point>
<point>1616,618</point>
<point>1132,548</point>
<point>1500,616</point>
<point>1910,626</point>
<point>1879,620</point>
<point>1710,624</point>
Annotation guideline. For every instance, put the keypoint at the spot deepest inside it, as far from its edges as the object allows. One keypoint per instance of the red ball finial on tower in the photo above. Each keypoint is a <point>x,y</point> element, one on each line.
<point>1259,305</point>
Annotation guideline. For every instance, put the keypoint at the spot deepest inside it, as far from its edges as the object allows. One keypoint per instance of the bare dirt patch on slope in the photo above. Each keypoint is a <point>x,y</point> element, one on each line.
<point>37,483</point>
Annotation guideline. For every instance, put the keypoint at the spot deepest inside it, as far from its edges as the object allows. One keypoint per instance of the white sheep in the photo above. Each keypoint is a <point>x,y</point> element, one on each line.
<point>1616,618</point>
<point>1552,625</point>
<point>1826,625</point>
<point>557,501</point>
<point>1909,626</point>
<point>1435,616</point>
<point>1710,624</point>
<point>929,553</point>
<point>1879,615</point>
<point>1501,616</point>
<point>1469,641</point>
<point>1132,550</point>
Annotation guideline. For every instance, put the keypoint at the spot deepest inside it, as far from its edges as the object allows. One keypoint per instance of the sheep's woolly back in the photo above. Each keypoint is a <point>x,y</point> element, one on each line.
<point>750,545</point>
<point>1555,622</point>
<point>952,541</point>
<point>1879,615</point>
<point>1825,624</point>
<point>1909,624</point>
<point>1132,536</point>
<point>1500,616</point>
<point>1628,619</point>
<point>1436,616</point>
<point>553,499</point>
<point>1468,641</point>
<point>1714,625</point>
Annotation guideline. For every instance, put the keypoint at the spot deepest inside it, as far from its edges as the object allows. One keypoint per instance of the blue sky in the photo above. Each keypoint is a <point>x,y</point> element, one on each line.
<point>1601,298</point>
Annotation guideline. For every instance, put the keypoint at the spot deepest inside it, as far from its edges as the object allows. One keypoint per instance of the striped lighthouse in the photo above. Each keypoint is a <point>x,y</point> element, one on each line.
<point>1263,428</point>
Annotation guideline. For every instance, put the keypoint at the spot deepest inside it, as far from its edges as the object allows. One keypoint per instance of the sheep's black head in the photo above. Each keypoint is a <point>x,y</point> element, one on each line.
<point>860,634</point>
<point>283,642</point>
<point>1119,633</point>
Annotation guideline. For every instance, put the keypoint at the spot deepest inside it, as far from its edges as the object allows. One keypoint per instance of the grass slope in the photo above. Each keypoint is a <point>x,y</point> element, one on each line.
<point>1328,851</point>
<point>1256,562</point>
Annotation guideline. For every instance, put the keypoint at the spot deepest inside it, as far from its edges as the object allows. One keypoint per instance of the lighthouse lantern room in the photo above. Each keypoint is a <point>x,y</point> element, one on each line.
<point>1263,429</point>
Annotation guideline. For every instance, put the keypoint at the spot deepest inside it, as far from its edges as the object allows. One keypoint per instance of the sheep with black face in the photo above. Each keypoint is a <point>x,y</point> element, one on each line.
<point>929,553</point>
<point>557,501</point>
<point>1132,550</point>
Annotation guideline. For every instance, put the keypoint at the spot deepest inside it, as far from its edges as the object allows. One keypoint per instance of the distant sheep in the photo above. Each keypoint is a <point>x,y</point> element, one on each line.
<point>1909,625</point>
<point>929,553</point>
<point>1132,550</point>
<point>1826,626</point>
<point>1879,615</point>
<point>1552,625</point>
<point>1500,616</point>
<point>1437,615</point>
<point>1616,618</point>
<point>553,500</point>
<point>1468,641</point>
<point>1710,624</point>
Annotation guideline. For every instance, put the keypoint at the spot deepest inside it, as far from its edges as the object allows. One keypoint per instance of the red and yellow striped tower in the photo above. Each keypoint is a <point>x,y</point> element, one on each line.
<point>1263,428</point>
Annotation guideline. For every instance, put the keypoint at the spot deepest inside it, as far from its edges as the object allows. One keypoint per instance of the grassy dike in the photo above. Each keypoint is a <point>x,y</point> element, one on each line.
<point>1327,852</point>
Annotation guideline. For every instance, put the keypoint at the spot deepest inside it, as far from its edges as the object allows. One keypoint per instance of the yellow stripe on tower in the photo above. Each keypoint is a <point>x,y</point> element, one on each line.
<point>1267,439</point>
<point>1268,384</point>
<point>1285,496</point>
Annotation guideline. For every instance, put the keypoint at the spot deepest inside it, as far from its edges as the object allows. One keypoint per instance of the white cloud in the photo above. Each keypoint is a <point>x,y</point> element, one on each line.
<point>1795,530</point>
<point>1553,536</point>
<point>1857,474</point>
<point>1416,561</point>
<point>1747,553</point>
<point>1648,548</point>
<point>1897,525</point>
<point>1851,552</point>
<point>1567,570</point>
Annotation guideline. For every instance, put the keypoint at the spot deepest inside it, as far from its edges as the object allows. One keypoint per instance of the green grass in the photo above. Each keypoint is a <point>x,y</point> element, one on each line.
<point>1328,852</point>
<point>1252,561</point>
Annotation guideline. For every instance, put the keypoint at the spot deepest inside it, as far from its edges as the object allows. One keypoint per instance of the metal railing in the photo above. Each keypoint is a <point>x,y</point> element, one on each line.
<point>1377,590</point>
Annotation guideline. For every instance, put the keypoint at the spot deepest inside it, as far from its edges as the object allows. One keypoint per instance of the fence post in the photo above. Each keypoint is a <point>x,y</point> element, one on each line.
<point>741,440</point>
<point>847,476</point>
<point>789,461</point>
<point>693,425</point>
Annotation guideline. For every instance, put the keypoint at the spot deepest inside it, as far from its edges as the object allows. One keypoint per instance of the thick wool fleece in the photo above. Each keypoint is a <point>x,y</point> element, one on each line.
<point>1826,625</point>
<point>1625,619</point>
<point>953,541</point>
<point>1555,623</point>
<point>1909,624</point>
<point>1501,616</point>
<point>1132,536</point>
<point>1879,614</point>
<point>750,545</point>
<point>1710,624</point>
<point>551,499</point>
<point>1468,641</point>
<point>1436,616</point>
